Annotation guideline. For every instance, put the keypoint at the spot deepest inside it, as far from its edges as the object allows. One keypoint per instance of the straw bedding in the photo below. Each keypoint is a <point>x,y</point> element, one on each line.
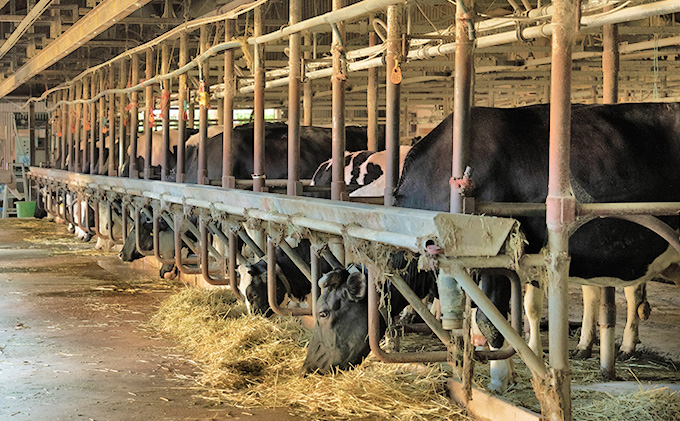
<point>256,362</point>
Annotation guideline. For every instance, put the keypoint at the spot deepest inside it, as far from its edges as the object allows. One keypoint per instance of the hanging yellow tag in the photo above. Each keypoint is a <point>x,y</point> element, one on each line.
<point>203,99</point>
<point>395,76</point>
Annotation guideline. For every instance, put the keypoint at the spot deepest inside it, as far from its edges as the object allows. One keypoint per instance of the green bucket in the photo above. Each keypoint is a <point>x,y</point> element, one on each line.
<point>25,209</point>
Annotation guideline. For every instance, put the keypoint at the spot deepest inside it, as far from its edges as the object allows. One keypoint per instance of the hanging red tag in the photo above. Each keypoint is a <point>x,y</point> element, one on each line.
<point>73,128</point>
<point>395,76</point>
<point>151,120</point>
<point>87,126</point>
<point>185,115</point>
<point>105,129</point>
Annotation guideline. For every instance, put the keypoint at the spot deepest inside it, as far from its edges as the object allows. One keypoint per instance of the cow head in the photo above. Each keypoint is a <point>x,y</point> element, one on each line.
<point>129,252</point>
<point>253,287</point>
<point>340,337</point>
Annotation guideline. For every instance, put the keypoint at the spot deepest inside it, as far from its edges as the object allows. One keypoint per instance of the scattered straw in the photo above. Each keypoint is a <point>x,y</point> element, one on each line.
<point>256,362</point>
<point>644,405</point>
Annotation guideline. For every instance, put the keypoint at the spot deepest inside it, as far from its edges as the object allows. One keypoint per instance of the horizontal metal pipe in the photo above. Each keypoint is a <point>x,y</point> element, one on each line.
<point>617,209</point>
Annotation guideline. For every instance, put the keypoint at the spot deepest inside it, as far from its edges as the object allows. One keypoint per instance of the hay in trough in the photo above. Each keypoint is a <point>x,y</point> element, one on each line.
<point>252,361</point>
<point>644,405</point>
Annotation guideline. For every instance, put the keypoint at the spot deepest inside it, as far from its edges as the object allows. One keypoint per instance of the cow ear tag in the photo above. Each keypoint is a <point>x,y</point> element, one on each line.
<point>395,76</point>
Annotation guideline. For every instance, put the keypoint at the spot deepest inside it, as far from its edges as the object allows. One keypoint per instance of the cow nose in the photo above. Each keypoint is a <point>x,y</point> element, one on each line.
<point>478,340</point>
<point>120,255</point>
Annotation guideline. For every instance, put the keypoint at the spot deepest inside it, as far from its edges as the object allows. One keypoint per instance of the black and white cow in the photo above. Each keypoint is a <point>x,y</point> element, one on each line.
<point>317,146</point>
<point>619,153</point>
<point>293,288</point>
<point>362,168</point>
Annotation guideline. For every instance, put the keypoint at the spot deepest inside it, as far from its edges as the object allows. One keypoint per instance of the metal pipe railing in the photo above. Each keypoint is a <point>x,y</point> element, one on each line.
<point>138,225</point>
<point>205,260</point>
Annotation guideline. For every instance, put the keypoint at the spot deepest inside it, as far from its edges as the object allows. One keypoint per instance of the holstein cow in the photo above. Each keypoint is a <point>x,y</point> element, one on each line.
<point>361,169</point>
<point>619,153</point>
<point>293,288</point>
<point>316,141</point>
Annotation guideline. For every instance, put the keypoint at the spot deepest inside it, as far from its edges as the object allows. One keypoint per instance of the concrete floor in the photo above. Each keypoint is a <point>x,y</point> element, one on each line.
<point>73,341</point>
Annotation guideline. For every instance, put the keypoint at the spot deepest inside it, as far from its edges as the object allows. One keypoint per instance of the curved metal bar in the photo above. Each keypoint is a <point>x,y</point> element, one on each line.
<point>233,257</point>
<point>205,260</point>
<point>109,220</point>
<point>156,241</point>
<point>316,292</point>
<point>178,220</point>
<point>138,224</point>
<point>97,229</point>
<point>124,220</point>
<point>271,286</point>
<point>656,225</point>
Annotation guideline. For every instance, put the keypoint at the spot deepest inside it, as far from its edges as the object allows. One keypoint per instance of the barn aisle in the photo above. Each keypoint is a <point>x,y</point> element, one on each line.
<point>73,341</point>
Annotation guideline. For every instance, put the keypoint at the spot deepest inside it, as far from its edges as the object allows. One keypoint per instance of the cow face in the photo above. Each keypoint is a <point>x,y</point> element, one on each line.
<point>253,287</point>
<point>340,336</point>
<point>129,252</point>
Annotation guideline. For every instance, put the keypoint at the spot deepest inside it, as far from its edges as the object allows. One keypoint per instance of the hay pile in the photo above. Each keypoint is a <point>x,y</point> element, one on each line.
<point>255,362</point>
<point>644,405</point>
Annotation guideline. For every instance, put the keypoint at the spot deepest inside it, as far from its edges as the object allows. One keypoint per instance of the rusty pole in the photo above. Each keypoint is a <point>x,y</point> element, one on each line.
<point>203,103</point>
<point>259,169</point>
<point>93,124</point>
<point>101,167</point>
<point>134,118</point>
<point>228,180</point>
<point>560,211</point>
<point>462,105</point>
<point>338,83</point>
<point>112,126</point>
<point>148,122</point>
<point>76,129</point>
<point>122,105</point>
<point>64,129</point>
<point>59,132</point>
<point>610,95</point>
<point>182,108</point>
<point>165,111</point>
<point>31,132</point>
<point>295,75</point>
<point>372,100</point>
<point>392,107</point>
<point>307,85</point>
<point>84,121</point>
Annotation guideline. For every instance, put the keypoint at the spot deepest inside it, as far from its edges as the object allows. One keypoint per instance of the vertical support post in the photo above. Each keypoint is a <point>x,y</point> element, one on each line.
<point>610,95</point>
<point>93,123</point>
<point>560,211</point>
<point>134,119</point>
<point>203,102</point>
<point>122,105</point>
<point>462,104</point>
<point>192,111</point>
<point>372,99</point>
<point>314,269</point>
<point>66,130</point>
<point>182,108</point>
<point>307,85</point>
<point>165,110</point>
<point>259,170</point>
<point>69,132</point>
<point>102,124</point>
<point>59,132</point>
<point>148,121</point>
<point>294,74</point>
<point>228,180</point>
<point>75,152</point>
<point>85,122</point>
<point>392,106</point>
<point>31,131</point>
<point>338,86</point>
<point>112,126</point>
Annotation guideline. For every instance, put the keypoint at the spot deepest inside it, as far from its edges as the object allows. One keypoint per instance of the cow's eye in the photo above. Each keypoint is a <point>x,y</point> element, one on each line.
<point>323,314</point>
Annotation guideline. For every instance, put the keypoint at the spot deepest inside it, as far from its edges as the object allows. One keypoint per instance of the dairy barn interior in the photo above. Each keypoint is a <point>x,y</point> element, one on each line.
<point>375,209</point>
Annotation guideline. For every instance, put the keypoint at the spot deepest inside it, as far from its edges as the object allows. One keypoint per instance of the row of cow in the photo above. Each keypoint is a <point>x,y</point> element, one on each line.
<point>620,153</point>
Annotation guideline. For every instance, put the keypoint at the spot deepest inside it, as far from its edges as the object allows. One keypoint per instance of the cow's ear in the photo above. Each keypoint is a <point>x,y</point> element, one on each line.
<point>258,268</point>
<point>356,286</point>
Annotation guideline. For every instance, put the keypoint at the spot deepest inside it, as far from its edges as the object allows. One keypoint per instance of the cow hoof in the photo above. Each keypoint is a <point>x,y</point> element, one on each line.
<point>582,354</point>
<point>498,387</point>
<point>625,355</point>
<point>644,310</point>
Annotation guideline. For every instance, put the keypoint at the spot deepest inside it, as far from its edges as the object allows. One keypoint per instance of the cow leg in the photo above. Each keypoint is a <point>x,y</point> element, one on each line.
<point>533,307</point>
<point>502,373</point>
<point>591,305</point>
<point>636,298</point>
